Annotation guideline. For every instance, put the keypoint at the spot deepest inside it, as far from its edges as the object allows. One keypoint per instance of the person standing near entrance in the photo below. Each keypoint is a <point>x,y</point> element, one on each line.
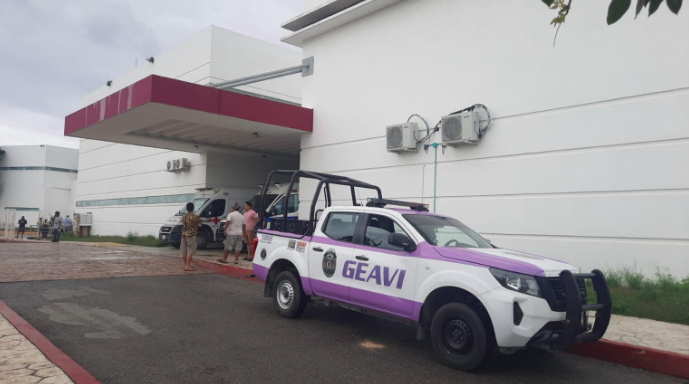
<point>57,227</point>
<point>250,220</point>
<point>233,234</point>
<point>68,223</point>
<point>190,228</point>
<point>22,227</point>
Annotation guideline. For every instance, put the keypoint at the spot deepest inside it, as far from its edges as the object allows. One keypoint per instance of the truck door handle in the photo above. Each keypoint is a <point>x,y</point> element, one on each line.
<point>317,249</point>
<point>360,257</point>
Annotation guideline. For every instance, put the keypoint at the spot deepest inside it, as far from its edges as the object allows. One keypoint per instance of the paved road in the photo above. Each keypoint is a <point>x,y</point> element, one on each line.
<point>214,329</point>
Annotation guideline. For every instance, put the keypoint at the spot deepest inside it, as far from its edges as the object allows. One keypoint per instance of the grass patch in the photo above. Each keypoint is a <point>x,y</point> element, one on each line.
<point>662,298</point>
<point>130,239</point>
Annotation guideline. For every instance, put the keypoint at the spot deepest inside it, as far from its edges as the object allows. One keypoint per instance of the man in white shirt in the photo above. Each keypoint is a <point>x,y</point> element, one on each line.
<point>233,235</point>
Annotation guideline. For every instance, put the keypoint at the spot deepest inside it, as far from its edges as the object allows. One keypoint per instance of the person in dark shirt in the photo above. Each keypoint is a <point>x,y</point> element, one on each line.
<point>22,227</point>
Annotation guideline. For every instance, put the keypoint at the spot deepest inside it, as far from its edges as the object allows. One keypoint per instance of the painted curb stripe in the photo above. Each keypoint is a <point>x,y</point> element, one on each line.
<point>75,372</point>
<point>228,270</point>
<point>667,363</point>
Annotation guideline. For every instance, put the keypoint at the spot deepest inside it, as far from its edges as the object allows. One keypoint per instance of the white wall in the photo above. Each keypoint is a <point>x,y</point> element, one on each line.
<point>234,56</point>
<point>583,159</point>
<point>115,171</point>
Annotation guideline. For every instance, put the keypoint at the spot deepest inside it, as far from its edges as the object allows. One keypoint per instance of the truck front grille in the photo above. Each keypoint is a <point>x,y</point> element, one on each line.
<point>559,290</point>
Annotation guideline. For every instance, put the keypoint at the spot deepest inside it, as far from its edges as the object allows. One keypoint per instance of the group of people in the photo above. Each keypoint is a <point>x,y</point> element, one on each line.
<point>58,223</point>
<point>238,229</point>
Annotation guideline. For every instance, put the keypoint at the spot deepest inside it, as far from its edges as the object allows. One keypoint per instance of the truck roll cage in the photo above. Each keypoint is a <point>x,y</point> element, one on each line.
<point>324,179</point>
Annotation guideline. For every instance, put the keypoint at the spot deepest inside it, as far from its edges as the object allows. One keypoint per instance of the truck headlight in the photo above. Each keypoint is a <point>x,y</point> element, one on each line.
<point>516,282</point>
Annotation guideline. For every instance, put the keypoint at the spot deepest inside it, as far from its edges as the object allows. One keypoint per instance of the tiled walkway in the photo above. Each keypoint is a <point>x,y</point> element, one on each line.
<point>649,333</point>
<point>30,261</point>
<point>22,362</point>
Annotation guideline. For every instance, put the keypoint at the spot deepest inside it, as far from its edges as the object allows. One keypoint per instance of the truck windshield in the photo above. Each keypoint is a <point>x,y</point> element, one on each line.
<point>446,232</point>
<point>198,204</point>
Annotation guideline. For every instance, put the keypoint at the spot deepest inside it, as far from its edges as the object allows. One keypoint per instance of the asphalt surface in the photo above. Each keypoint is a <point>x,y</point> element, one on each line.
<point>215,329</point>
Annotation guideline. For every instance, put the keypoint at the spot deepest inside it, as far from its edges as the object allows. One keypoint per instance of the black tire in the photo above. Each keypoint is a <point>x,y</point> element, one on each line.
<point>201,240</point>
<point>288,296</point>
<point>459,337</point>
<point>176,245</point>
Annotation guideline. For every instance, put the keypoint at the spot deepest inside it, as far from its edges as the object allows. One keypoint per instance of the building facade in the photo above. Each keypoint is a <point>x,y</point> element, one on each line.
<point>584,159</point>
<point>128,188</point>
<point>37,180</point>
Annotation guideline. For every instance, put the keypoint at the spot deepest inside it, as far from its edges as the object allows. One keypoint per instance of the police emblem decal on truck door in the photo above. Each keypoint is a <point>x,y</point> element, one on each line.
<point>329,263</point>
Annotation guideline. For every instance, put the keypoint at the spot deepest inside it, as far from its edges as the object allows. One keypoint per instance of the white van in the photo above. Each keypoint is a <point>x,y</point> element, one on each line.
<point>275,202</point>
<point>213,206</point>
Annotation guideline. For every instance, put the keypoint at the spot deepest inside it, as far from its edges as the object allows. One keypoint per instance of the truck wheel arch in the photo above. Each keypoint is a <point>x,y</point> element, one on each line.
<point>449,294</point>
<point>278,267</point>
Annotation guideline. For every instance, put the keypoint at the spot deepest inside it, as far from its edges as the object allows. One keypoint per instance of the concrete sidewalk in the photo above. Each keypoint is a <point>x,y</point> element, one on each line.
<point>22,362</point>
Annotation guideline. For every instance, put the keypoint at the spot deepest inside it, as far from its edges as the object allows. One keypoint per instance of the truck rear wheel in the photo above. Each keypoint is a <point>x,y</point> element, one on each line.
<point>288,296</point>
<point>459,337</point>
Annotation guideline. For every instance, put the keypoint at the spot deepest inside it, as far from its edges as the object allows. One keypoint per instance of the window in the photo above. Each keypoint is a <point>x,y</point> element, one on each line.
<point>256,200</point>
<point>341,226</point>
<point>279,207</point>
<point>377,231</point>
<point>446,232</point>
<point>215,208</point>
<point>198,203</point>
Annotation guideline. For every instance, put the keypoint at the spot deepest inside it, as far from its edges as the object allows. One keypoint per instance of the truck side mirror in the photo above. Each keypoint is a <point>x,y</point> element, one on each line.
<point>402,241</point>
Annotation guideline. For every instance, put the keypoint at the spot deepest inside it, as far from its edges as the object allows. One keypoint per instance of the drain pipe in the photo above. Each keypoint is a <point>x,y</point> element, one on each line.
<point>435,175</point>
<point>306,69</point>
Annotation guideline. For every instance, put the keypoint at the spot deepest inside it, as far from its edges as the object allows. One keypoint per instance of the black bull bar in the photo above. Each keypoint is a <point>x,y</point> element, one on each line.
<point>575,328</point>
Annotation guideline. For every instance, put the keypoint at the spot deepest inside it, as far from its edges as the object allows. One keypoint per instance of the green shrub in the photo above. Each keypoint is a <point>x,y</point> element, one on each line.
<point>615,278</point>
<point>620,307</point>
<point>667,283</point>
<point>633,278</point>
<point>132,236</point>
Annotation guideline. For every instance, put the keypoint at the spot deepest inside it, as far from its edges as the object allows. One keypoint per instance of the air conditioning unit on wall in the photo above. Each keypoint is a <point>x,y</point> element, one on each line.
<point>178,165</point>
<point>402,137</point>
<point>462,128</point>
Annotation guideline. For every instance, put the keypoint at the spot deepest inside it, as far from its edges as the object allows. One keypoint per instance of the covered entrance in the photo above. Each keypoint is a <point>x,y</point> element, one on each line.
<point>172,114</point>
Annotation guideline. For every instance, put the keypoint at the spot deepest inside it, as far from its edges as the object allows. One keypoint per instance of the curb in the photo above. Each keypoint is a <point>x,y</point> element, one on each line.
<point>75,372</point>
<point>665,362</point>
<point>227,270</point>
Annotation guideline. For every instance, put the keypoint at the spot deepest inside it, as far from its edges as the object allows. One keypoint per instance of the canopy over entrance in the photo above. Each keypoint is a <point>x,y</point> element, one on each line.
<point>166,113</point>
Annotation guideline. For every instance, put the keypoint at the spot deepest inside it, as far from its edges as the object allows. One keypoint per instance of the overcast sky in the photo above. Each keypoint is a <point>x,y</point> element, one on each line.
<point>52,52</point>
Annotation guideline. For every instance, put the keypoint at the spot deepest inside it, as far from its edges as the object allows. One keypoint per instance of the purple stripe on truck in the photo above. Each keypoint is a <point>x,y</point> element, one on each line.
<point>397,306</point>
<point>260,272</point>
<point>448,254</point>
<point>284,234</point>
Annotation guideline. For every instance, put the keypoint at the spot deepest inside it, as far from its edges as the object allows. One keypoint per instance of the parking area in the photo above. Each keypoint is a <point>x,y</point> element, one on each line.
<point>137,324</point>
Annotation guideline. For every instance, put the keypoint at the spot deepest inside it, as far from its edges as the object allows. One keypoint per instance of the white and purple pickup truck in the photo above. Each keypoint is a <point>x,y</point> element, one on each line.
<point>429,270</point>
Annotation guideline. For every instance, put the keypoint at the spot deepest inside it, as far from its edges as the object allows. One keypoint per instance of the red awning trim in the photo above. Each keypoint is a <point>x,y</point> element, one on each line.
<point>163,90</point>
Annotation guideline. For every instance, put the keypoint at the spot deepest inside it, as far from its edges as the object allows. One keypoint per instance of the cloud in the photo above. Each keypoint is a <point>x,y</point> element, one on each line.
<point>55,52</point>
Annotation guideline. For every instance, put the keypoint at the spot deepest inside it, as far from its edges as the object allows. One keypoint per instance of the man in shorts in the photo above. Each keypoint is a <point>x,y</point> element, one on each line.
<point>250,221</point>
<point>190,228</point>
<point>22,227</point>
<point>233,235</point>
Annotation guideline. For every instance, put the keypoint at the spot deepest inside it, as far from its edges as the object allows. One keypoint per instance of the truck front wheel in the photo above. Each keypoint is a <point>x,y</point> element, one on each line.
<point>288,297</point>
<point>459,337</point>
